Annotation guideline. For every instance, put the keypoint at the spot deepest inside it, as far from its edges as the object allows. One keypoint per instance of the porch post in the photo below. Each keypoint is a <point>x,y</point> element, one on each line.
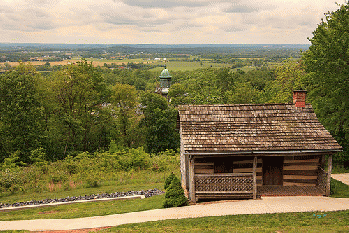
<point>254,178</point>
<point>322,162</point>
<point>191,180</point>
<point>329,171</point>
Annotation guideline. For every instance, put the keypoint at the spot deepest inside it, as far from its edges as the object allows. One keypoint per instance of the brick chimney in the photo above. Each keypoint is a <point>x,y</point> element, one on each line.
<point>299,98</point>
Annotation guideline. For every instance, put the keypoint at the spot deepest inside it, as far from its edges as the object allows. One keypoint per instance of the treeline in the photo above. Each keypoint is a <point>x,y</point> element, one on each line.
<point>79,108</point>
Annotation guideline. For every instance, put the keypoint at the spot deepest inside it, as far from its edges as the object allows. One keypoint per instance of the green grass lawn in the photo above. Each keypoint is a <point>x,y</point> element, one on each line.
<point>89,209</point>
<point>285,222</point>
<point>339,189</point>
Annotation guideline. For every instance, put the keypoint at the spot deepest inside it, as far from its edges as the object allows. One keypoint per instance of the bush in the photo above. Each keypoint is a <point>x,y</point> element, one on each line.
<point>174,196</point>
<point>169,180</point>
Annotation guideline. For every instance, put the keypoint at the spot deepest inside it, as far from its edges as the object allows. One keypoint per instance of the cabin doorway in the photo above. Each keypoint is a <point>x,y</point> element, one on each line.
<point>272,170</point>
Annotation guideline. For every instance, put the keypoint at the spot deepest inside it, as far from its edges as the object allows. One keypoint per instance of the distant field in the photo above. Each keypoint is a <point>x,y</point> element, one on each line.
<point>66,62</point>
<point>171,65</point>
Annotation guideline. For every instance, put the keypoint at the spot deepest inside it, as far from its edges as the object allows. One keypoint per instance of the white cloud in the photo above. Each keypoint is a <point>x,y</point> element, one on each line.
<point>161,21</point>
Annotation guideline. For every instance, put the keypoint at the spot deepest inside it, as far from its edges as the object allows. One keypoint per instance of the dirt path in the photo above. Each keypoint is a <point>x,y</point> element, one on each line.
<point>265,205</point>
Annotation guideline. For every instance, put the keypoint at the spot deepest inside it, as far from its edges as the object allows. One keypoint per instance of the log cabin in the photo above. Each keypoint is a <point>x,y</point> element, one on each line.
<point>253,150</point>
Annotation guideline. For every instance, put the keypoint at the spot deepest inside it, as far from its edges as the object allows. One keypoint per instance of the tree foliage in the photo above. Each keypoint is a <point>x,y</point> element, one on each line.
<point>289,76</point>
<point>159,122</point>
<point>169,180</point>
<point>125,105</point>
<point>79,95</point>
<point>327,62</point>
<point>21,115</point>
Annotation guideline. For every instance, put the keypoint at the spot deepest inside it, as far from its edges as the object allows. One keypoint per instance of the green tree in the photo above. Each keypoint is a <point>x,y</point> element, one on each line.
<point>80,113</point>
<point>290,76</point>
<point>169,180</point>
<point>159,123</point>
<point>124,100</point>
<point>21,115</point>
<point>327,62</point>
<point>174,196</point>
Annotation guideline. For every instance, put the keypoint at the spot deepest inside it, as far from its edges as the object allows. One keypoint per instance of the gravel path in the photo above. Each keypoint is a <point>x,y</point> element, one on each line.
<point>265,205</point>
<point>86,198</point>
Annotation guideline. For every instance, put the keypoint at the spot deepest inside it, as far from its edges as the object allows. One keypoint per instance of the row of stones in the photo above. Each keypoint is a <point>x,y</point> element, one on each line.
<point>146,193</point>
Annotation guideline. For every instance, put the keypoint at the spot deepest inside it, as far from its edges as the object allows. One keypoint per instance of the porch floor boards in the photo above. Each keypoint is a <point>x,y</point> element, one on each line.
<point>290,191</point>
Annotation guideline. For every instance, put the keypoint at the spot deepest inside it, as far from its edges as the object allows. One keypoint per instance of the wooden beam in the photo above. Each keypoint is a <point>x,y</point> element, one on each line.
<point>300,167</point>
<point>299,177</point>
<point>204,164</point>
<point>302,161</point>
<point>224,174</point>
<point>221,192</point>
<point>297,184</point>
<point>247,169</point>
<point>254,178</point>
<point>204,171</point>
<point>329,171</point>
<point>191,180</point>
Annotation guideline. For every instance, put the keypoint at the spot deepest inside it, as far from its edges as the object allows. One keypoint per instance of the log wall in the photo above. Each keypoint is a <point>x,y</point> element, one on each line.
<point>301,170</point>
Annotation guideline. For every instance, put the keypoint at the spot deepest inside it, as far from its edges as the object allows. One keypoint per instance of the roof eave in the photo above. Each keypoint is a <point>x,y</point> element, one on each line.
<point>265,152</point>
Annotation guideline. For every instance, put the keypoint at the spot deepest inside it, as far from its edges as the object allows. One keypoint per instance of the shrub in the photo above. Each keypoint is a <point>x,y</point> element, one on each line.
<point>92,180</point>
<point>38,156</point>
<point>174,196</point>
<point>169,180</point>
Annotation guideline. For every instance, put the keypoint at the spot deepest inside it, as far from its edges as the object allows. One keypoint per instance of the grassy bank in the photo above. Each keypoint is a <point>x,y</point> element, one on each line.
<point>132,167</point>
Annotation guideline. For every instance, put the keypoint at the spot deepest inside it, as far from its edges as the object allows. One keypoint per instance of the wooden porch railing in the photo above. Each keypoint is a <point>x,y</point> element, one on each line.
<point>223,185</point>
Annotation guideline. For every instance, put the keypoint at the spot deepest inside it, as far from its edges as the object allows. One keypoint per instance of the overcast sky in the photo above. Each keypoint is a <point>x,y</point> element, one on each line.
<point>161,21</point>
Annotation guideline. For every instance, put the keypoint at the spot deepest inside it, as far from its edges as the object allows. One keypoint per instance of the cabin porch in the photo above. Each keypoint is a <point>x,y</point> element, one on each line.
<point>252,177</point>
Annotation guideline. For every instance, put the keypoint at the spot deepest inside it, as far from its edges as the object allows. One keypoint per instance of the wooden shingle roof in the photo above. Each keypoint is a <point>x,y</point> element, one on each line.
<point>248,128</point>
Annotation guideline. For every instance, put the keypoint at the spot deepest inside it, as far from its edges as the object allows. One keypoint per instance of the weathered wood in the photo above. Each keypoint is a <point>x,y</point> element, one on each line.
<point>221,192</point>
<point>229,183</point>
<point>204,171</point>
<point>297,184</point>
<point>191,181</point>
<point>322,162</point>
<point>183,166</point>
<point>204,167</point>
<point>204,164</point>
<point>225,174</point>
<point>301,172</point>
<point>254,178</point>
<point>300,167</point>
<point>247,161</point>
<point>329,171</point>
<point>302,161</point>
<point>299,177</point>
<point>250,170</point>
<point>268,127</point>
